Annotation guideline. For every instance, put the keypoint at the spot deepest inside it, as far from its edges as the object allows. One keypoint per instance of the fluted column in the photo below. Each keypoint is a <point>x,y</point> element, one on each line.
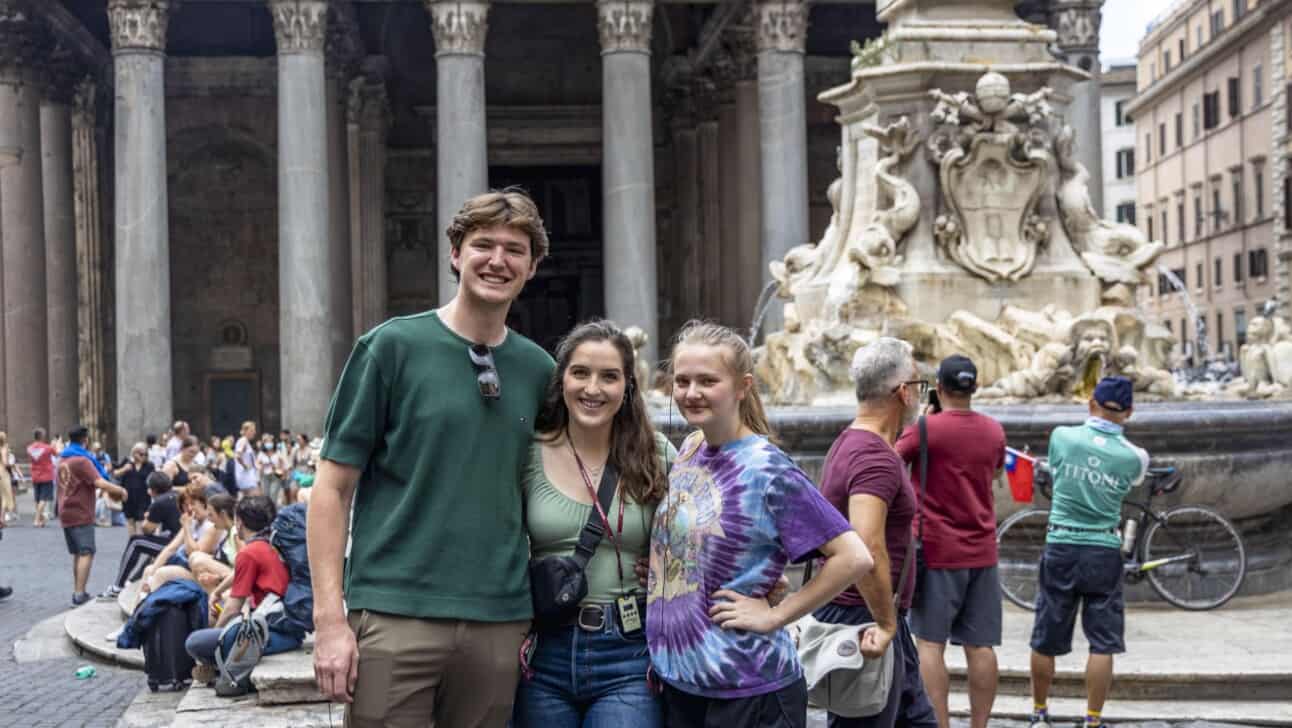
<point>23,41</point>
<point>687,220</point>
<point>368,116</point>
<point>780,34</point>
<point>747,268</point>
<point>343,50</point>
<point>708,154</point>
<point>1077,24</point>
<point>142,246</point>
<point>461,146</point>
<point>91,310</point>
<point>628,167</point>
<point>60,242</point>
<point>305,302</point>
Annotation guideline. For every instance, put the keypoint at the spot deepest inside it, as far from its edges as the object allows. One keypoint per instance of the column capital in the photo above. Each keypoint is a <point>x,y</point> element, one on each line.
<point>625,25</point>
<point>343,47</point>
<point>85,103</point>
<point>300,26</point>
<point>459,27</point>
<point>704,97</point>
<point>62,73</point>
<point>367,105</point>
<point>24,38</point>
<point>781,25</point>
<point>742,50</point>
<point>1077,24</point>
<point>138,25</point>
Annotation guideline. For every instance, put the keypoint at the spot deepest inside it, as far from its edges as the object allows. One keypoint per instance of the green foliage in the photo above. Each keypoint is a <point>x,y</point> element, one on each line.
<point>873,53</point>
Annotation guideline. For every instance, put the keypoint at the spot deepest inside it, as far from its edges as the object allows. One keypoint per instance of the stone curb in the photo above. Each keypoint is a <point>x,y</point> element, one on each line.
<point>87,626</point>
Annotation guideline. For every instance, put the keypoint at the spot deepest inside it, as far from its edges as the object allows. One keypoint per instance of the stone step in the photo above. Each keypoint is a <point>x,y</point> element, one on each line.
<point>1255,712</point>
<point>200,707</point>
<point>287,678</point>
<point>89,624</point>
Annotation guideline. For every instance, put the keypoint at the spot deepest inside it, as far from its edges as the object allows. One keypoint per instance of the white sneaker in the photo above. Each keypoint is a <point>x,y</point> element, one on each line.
<point>114,634</point>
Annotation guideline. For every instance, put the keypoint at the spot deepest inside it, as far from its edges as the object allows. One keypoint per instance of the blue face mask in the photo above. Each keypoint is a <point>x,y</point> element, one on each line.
<point>1099,423</point>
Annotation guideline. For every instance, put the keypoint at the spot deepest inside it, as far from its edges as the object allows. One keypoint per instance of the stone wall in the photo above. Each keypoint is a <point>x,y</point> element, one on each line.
<point>223,186</point>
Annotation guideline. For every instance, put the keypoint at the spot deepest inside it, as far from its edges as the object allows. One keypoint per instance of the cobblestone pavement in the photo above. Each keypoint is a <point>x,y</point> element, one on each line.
<point>34,561</point>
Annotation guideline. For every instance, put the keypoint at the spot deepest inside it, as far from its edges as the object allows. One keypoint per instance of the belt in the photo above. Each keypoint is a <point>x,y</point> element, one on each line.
<point>1078,529</point>
<point>598,617</point>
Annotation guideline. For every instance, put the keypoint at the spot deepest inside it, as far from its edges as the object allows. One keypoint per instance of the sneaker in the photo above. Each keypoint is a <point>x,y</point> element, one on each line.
<point>79,599</point>
<point>1039,720</point>
<point>110,594</point>
<point>114,634</point>
<point>5,592</point>
<point>204,674</point>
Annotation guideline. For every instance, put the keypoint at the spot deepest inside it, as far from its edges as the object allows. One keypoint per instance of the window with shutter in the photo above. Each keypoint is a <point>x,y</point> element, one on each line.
<point>1238,267</point>
<point>1235,100</point>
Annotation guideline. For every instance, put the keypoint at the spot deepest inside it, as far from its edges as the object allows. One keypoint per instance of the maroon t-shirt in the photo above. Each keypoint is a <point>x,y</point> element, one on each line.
<point>76,479</point>
<point>862,463</point>
<point>965,451</point>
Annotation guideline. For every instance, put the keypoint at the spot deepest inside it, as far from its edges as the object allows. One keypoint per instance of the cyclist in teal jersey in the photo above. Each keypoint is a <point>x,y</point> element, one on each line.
<point>1094,467</point>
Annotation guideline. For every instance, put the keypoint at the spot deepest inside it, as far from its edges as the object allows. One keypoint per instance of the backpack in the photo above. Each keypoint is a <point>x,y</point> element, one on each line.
<point>287,536</point>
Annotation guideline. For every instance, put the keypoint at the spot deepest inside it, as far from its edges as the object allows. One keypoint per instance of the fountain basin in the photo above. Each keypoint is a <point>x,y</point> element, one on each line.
<point>1236,457</point>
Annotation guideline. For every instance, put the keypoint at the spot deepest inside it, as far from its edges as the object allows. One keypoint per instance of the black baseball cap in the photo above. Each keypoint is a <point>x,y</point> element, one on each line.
<point>1114,393</point>
<point>958,374</point>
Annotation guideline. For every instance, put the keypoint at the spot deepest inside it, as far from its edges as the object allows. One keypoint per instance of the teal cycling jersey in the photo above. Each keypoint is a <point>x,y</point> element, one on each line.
<point>1094,467</point>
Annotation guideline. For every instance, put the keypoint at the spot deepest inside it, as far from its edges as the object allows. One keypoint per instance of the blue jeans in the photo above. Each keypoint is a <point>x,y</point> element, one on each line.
<point>201,643</point>
<point>588,680</point>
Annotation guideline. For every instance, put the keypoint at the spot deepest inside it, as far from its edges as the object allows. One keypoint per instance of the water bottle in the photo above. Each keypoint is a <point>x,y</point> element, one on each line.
<point>1128,535</point>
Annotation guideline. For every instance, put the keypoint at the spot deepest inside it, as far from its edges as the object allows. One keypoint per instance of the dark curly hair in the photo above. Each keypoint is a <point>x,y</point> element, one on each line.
<point>633,450</point>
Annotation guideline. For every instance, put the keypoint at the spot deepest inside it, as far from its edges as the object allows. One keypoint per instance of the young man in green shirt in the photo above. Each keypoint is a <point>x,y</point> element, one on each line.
<point>428,433</point>
<point>1094,467</point>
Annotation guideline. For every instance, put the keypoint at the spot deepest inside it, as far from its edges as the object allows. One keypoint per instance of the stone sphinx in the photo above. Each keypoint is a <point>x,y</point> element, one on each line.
<point>1266,358</point>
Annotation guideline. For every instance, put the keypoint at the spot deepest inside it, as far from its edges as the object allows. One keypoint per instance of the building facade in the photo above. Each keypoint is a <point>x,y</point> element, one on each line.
<point>203,203</point>
<point>1118,132</point>
<point>1209,114</point>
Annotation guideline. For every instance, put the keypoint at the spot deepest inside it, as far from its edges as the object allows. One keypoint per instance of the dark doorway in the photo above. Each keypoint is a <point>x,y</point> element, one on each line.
<point>568,286</point>
<point>234,398</point>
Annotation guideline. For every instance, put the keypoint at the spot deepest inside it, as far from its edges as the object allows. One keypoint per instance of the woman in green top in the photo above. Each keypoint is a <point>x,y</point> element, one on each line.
<point>591,673</point>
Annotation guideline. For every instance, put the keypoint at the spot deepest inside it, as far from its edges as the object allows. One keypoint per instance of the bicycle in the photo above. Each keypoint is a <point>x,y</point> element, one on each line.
<point>1192,556</point>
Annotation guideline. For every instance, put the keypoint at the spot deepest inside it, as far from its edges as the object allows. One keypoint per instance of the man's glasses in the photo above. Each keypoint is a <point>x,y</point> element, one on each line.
<point>921,385</point>
<point>486,372</point>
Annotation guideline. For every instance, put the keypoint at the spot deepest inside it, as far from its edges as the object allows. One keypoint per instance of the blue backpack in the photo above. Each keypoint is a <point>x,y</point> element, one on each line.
<point>287,536</point>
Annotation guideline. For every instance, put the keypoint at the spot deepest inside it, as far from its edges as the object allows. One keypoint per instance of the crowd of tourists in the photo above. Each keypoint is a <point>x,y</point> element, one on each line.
<point>499,537</point>
<point>478,501</point>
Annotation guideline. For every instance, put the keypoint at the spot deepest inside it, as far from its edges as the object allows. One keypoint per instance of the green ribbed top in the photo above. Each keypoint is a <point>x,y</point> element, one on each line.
<point>554,521</point>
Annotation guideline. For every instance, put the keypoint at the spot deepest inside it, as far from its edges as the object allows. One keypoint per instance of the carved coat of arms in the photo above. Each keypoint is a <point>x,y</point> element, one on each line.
<point>992,172</point>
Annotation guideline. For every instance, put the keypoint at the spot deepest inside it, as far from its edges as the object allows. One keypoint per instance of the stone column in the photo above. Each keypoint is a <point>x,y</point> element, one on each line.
<point>143,340</point>
<point>686,188</point>
<point>729,152</point>
<point>342,51</point>
<point>628,168</point>
<point>1279,177</point>
<point>60,243</point>
<point>23,41</point>
<point>91,311</point>
<point>780,34</point>
<point>708,153</point>
<point>749,263</point>
<point>368,115</point>
<point>1077,24</point>
<point>461,146</point>
<point>305,304</point>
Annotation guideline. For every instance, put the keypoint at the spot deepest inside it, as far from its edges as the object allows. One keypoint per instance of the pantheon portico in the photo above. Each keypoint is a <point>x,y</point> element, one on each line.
<point>203,202</point>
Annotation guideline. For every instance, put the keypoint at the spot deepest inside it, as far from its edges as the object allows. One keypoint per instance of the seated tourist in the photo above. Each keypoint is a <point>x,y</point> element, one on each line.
<point>159,525</point>
<point>212,570</point>
<point>258,572</point>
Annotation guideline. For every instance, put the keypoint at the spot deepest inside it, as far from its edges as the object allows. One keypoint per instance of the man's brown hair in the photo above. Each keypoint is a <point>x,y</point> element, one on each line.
<point>512,207</point>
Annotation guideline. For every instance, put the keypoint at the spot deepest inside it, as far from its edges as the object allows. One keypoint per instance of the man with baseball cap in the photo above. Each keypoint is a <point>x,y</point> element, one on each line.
<point>957,589</point>
<point>1094,466</point>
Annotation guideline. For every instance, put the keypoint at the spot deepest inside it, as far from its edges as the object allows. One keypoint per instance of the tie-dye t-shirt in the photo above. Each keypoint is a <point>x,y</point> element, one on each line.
<point>734,516</point>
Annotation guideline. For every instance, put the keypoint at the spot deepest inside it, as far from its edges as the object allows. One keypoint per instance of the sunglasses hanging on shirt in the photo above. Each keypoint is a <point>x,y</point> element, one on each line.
<point>486,372</point>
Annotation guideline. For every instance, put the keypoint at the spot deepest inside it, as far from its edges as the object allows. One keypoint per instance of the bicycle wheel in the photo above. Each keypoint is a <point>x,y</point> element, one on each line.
<point>1021,540</point>
<point>1203,558</point>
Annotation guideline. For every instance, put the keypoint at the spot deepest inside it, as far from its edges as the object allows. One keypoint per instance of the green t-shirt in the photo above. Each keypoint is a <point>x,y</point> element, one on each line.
<point>437,529</point>
<point>1094,467</point>
<point>555,521</point>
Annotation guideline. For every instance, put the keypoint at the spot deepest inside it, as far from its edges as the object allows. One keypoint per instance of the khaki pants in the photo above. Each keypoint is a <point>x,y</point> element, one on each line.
<point>434,673</point>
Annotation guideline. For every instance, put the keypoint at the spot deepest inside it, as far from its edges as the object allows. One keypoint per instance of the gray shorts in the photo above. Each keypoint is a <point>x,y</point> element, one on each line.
<point>958,605</point>
<point>80,539</point>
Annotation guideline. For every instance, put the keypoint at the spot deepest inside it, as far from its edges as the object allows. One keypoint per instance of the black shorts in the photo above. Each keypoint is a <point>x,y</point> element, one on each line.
<point>958,605</point>
<point>1075,577</point>
<point>43,492</point>
<point>80,539</point>
<point>784,708</point>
